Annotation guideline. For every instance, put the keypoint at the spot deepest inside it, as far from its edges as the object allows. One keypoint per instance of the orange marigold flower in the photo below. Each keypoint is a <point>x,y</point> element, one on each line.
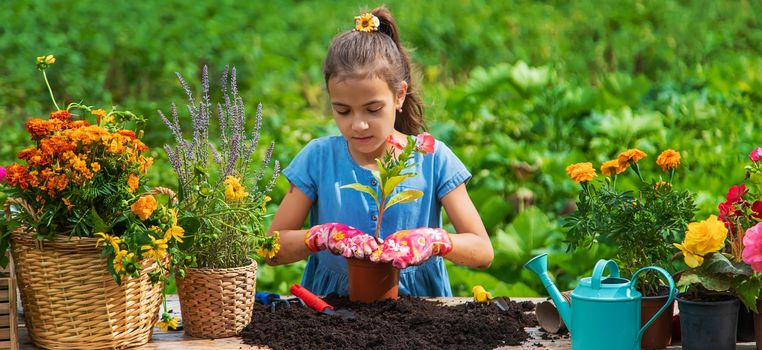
<point>128,133</point>
<point>28,153</point>
<point>144,207</point>
<point>630,155</point>
<point>581,172</point>
<point>611,167</point>
<point>78,124</point>
<point>95,166</point>
<point>38,128</point>
<point>133,181</point>
<point>17,175</point>
<point>60,115</point>
<point>668,159</point>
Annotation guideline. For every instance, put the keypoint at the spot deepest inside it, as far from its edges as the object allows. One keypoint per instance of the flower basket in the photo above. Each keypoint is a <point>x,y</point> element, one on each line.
<point>217,303</point>
<point>71,301</point>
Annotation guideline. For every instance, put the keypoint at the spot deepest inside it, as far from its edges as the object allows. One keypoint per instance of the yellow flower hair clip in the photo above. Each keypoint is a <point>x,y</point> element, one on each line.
<point>366,22</point>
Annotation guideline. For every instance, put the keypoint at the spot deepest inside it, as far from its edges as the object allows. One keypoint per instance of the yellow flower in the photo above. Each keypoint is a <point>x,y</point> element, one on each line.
<point>630,155</point>
<point>156,250</point>
<point>668,159</point>
<point>119,259</point>
<point>99,112</point>
<point>702,238</point>
<point>270,247</point>
<point>133,181</point>
<point>108,239</point>
<point>164,325</point>
<point>611,167</point>
<point>176,232</point>
<point>44,61</point>
<point>144,207</point>
<point>581,172</point>
<point>234,191</point>
<point>366,22</point>
<point>96,166</point>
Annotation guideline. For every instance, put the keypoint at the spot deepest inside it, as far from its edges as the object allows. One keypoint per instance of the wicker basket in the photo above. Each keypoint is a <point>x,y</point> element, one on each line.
<point>217,303</point>
<point>71,301</point>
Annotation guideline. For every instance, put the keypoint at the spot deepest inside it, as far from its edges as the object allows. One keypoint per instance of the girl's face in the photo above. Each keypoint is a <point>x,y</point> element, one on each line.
<point>364,110</point>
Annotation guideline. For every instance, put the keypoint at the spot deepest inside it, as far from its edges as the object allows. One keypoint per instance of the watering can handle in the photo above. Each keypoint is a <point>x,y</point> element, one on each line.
<point>598,272</point>
<point>671,298</point>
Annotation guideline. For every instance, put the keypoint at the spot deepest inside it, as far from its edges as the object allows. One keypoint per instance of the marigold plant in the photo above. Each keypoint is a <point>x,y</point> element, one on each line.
<point>641,223</point>
<point>84,176</point>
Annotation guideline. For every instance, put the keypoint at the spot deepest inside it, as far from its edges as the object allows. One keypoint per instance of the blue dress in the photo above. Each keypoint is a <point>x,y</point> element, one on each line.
<point>324,165</point>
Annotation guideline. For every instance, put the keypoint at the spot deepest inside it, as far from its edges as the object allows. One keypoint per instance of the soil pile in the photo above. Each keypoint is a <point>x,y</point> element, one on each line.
<point>408,323</point>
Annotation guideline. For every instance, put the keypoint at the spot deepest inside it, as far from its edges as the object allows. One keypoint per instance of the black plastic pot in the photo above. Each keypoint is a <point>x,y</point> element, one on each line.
<point>709,325</point>
<point>745,325</point>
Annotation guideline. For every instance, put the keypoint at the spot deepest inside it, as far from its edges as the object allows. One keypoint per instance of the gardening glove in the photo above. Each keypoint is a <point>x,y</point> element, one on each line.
<point>340,239</point>
<point>413,247</point>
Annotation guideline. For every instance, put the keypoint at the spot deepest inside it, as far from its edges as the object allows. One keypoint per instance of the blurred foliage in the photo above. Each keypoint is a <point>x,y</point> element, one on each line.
<point>518,89</point>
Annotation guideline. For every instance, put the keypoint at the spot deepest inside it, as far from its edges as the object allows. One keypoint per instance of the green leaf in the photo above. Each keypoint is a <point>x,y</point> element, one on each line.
<point>711,282</point>
<point>393,181</point>
<point>98,224</point>
<point>362,188</point>
<point>190,224</point>
<point>718,263</point>
<point>381,170</point>
<point>405,196</point>
<point>747,290</point>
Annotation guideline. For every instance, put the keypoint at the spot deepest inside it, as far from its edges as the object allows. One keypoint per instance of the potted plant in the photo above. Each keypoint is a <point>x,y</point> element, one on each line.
<point>91,249</point>
<point>742,212</point>
<point>370,279</point>
<point>217,184</point>
<point>641,224</point>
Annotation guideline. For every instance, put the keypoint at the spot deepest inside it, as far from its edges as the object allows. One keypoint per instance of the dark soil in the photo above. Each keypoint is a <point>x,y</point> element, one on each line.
<point>408,323</point>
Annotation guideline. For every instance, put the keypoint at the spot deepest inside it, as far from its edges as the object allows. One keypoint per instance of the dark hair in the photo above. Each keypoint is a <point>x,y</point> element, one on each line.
<point>356,54</point>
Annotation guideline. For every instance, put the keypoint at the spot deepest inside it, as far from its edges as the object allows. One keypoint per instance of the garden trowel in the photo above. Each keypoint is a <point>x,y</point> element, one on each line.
<point>317,304</point>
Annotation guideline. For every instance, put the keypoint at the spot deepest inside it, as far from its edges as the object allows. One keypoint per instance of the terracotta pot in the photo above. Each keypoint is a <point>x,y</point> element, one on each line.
<point>369,281</point>
<point>758,324</point>
<point>659,334</point>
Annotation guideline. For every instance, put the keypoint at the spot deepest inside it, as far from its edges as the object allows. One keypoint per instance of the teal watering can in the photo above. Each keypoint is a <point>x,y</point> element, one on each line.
<point>604,312</point>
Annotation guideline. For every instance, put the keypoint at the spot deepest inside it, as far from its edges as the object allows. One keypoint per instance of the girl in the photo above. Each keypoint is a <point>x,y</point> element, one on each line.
<point>368,77</point>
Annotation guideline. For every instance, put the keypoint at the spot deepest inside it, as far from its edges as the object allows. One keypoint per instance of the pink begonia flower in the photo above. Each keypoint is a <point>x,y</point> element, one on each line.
<point>424,143</point>
<point>756,154</point>
<point>752,247</point>
<point>390,140</point>
<point>3,173</point>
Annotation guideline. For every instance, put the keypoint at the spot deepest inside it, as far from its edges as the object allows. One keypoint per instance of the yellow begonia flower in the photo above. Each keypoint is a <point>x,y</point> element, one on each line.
<point>144,207</point>
<point>581,172</point>
<point>234,191</point>
<point>668,159</point>
<point>702,238</point>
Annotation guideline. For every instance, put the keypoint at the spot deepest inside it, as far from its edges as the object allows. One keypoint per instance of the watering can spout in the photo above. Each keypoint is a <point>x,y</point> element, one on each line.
<point>539,265</point>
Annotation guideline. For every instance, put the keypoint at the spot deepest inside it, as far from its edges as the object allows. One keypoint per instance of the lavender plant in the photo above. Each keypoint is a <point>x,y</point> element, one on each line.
<point>218,186</point>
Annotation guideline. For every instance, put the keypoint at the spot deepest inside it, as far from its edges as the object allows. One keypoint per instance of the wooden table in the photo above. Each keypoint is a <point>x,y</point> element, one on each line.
<point>179,341</point>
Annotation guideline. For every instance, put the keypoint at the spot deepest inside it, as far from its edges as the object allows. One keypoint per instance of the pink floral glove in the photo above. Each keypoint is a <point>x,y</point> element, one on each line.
<point>340,239</point>
<point>413,247</point>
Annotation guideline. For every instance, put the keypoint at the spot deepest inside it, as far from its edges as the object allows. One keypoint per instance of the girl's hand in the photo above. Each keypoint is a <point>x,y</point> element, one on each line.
<point>340,239</point>
<point>413,247</point>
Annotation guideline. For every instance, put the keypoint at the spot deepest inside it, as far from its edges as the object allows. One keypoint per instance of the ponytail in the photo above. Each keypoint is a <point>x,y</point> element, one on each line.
<point>374,54</point>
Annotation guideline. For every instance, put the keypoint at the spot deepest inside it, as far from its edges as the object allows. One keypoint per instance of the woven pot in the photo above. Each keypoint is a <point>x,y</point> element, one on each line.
<point>72,302</point>
<point>217,303</point>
